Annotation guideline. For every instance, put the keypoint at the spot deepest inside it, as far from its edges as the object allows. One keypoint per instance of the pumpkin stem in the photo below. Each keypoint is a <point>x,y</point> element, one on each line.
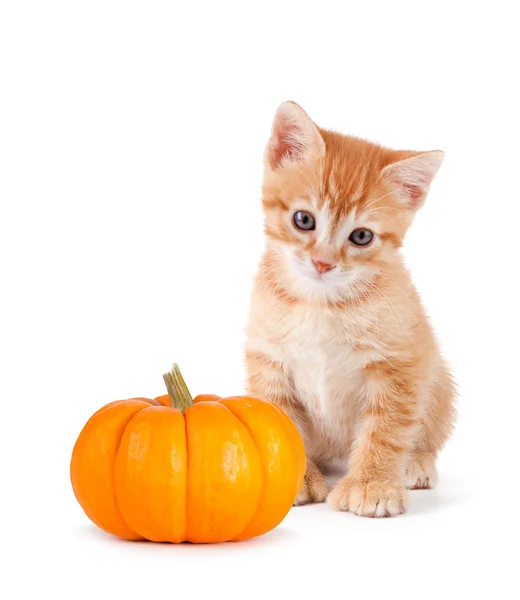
<point>180,396</point>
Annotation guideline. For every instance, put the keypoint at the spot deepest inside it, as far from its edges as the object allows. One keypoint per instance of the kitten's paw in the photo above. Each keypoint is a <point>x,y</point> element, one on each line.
<point>421,472</point>
<point>373,499</point>
<point>314,489</point>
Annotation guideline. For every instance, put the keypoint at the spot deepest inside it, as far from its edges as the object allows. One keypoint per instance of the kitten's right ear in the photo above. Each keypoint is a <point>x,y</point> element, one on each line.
<point>294,137</point>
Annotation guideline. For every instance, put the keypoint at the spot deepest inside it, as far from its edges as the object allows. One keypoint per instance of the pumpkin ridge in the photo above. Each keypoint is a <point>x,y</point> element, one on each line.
<point>187,476</point>
<point>87,465</point>
<point>263,470</point>
<point>246,440</point>
<point>114,474</point>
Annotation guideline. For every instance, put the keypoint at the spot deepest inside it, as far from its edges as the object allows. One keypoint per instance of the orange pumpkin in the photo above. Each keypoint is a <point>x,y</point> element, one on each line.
<point>173,469</point>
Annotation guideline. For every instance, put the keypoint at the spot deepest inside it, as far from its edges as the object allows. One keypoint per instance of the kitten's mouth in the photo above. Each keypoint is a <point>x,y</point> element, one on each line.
<point>330,274</point>
<point>321,276</point>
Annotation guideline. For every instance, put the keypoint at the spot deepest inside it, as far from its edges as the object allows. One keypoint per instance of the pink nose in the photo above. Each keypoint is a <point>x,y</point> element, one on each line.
<point>322,267</point>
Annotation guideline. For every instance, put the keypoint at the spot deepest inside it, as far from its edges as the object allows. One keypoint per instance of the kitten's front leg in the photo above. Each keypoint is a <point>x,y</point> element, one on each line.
<point>315,488</point>
<point>374,486</point>
<point>266,379</point>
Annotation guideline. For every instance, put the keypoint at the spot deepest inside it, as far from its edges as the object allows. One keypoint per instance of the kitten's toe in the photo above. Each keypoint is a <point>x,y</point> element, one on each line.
<point>421,472</point>
<point>373,499</point>
<point>314,489</point>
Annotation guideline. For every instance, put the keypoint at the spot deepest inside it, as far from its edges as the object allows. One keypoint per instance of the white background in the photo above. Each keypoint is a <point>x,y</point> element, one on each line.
<point>131,141</point>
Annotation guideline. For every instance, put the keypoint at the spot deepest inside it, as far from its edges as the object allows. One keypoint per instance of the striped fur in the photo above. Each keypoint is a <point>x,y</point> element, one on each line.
<point>349,354</point>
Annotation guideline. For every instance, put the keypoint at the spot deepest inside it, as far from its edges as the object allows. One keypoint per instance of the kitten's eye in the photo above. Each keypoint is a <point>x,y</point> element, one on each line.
<point>361,237</point>
<point>304,220</point>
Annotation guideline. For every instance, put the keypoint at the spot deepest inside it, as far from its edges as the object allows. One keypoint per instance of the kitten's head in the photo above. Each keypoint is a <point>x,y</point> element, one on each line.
<point>336,207</point>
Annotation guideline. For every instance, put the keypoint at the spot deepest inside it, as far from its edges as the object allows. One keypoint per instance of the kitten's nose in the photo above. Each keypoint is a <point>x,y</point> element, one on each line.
<point>322,267</point>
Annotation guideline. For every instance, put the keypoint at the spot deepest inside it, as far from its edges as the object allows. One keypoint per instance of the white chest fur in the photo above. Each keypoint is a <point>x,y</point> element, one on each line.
<point>320,355</point>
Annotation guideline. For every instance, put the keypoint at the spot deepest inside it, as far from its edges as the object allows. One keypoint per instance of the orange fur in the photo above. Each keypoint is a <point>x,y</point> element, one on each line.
<point>349,354</point>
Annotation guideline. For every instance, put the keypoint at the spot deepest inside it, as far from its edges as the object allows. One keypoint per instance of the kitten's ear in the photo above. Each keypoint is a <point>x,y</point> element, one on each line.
<point>412,176</point>
<point>294,137</point>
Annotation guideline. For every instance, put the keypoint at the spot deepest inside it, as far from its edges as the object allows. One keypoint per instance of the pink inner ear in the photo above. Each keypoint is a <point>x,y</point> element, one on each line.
<point>414,192</point>
<point>284,142</point>
<point>412,176</point>
<point>414,185</point>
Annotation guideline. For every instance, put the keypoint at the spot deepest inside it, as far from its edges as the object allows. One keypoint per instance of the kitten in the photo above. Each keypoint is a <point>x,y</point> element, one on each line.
<point>337,335</point>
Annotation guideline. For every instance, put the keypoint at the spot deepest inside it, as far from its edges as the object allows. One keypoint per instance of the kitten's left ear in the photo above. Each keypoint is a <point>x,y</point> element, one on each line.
<point>294,137</point>
<point>412,176</point>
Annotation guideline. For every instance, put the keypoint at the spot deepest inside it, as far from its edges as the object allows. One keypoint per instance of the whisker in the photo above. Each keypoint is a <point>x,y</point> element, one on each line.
<point>385,301</point>
<point>377,200</point>
<point>397,287</point>
<point>376,212</point>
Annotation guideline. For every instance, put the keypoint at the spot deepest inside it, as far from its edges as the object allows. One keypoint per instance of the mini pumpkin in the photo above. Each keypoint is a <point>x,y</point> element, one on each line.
<point>173,469</point>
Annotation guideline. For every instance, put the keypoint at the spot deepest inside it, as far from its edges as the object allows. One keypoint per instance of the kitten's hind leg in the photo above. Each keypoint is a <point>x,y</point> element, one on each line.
<point>436,428</point>
<point>420,471</point>
<point>315,488</point>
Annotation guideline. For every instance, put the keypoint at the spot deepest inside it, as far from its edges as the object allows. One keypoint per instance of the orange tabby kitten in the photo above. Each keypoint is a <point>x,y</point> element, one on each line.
<point>337,335</point>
